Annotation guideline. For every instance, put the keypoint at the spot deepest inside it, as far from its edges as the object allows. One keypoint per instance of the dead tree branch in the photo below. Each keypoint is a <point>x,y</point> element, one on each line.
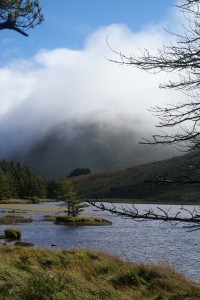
<point>182,216</point>
<point>182,57</point>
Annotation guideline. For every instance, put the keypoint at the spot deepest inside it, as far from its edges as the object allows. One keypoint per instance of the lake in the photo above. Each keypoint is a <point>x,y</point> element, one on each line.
<point>146,242</point>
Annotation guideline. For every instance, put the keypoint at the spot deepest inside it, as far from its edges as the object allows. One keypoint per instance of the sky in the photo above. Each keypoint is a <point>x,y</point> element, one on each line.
<point>61,72</point>
<point>71,22</point>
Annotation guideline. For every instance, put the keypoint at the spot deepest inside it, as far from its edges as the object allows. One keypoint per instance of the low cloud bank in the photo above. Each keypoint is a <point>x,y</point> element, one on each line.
<point>61,96</point>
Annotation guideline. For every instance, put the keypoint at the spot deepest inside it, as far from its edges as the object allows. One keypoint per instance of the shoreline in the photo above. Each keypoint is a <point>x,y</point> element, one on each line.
<point>147,202</point>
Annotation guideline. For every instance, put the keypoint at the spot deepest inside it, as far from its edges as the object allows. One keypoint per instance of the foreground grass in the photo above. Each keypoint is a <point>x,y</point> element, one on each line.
<point>35,274</point>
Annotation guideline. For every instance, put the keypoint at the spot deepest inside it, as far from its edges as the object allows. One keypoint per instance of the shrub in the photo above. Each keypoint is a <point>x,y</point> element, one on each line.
<point>33,199</point>
<point>12,233</point>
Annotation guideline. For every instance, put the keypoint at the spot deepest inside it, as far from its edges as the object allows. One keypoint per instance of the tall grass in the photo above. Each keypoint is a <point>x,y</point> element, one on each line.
<point>82,220</point>
<point>35,274</point>
<point>14,219</point>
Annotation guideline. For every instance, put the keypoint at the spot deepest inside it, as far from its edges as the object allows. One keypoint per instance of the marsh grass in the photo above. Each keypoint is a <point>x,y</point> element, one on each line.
<point>36,274</point>
<point>14,219</point>
<point>29,207</point>
<point>49,218</point>
<point>22,201</point>
<point>82,221</point>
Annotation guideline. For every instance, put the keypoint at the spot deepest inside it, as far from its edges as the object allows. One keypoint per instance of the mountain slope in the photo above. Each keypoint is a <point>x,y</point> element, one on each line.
<point>140,182</point>
<point>98,146</point>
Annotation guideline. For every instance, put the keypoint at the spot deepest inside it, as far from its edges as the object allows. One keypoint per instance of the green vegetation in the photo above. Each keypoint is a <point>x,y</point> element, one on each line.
<point>53,188</point>
<point>34,200</point>
<point>36,274</point>
<point>137,183</point>
<point>18,181</point>
<point>12,233</point>
<point>77,221</point>
<point>82,221</point>
<point>68,194</point>
<point>14,219</point>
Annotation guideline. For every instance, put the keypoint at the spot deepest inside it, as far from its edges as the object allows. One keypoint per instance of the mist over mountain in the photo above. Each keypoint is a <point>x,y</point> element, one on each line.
<point>98,146</point>
<point>65,108</point>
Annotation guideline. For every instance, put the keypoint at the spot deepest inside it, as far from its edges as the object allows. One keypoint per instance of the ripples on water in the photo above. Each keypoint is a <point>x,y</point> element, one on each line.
<point>146,242</point>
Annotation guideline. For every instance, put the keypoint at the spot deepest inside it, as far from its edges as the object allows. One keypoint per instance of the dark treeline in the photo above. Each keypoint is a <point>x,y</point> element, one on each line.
<point>18,181</point>
<point>78,172</point>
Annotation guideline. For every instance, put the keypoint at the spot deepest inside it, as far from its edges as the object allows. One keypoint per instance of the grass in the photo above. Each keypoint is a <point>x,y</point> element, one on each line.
<point>50,218</point>
<point>36,274</point>
<point>82,221</point>
<point>134,183</point>
<point>12,233</point>
<point>30,207</point>
<point>13,200</point>
<point>14,219</point>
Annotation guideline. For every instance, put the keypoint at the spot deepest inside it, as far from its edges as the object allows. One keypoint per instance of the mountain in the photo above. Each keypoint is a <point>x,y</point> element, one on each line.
<point>144,181</point>
<point>95,145</point>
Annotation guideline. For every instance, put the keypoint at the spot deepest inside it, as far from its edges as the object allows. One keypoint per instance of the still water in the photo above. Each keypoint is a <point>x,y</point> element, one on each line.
<point>146,242</point>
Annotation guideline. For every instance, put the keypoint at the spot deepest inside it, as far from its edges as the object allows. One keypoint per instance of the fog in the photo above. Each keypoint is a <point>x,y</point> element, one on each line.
<point>64,109</point>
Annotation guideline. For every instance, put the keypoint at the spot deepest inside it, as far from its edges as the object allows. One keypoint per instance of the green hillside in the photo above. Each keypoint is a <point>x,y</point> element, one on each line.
<point>140,182</point>
<point>36,274</point>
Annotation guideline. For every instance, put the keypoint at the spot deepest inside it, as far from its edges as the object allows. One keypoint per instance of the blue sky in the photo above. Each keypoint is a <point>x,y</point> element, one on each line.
<point>71,21</point>
<point>68,23</point>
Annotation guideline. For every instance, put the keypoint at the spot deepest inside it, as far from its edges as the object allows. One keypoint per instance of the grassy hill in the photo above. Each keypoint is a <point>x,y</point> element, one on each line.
<point>36,274</point>
<point>135,182</point>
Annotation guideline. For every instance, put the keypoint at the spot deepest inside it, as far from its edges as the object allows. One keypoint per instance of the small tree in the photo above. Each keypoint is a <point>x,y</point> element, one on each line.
<point>69,196</point>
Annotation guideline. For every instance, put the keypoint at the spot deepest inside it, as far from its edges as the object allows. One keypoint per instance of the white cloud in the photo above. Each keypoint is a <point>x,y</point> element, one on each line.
<point>61,85</point>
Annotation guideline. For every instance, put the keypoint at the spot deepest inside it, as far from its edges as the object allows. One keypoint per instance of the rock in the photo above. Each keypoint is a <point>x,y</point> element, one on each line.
<point>24,244</point>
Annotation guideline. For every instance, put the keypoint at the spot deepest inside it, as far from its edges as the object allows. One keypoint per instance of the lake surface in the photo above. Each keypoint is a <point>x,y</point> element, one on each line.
<point>146,242</point>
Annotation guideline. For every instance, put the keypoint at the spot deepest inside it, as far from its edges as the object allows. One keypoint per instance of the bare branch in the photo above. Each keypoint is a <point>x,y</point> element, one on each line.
<point>191,217</point>
<point>182,57</point>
